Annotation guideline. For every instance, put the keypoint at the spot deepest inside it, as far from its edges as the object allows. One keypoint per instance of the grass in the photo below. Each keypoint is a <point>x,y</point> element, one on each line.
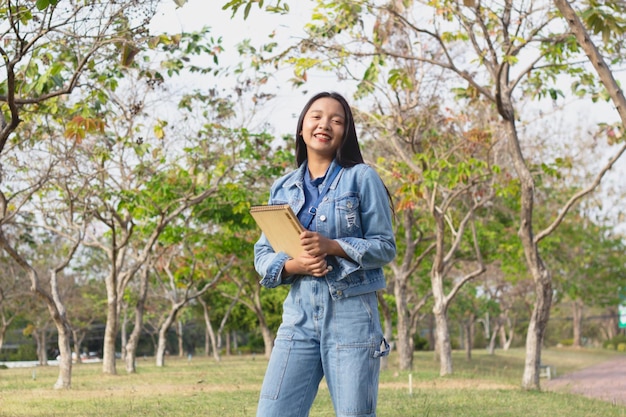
<point>487,386</point>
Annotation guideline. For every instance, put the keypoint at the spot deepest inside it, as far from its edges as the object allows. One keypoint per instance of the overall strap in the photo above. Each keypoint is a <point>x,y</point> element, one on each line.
<point>307,219</point>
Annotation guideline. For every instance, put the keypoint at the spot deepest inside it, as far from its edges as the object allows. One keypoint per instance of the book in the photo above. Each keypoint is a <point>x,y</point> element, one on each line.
<point>281,227</point>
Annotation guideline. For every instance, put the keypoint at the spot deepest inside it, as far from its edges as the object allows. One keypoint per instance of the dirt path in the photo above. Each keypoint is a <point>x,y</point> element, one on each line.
<point>606,381</point>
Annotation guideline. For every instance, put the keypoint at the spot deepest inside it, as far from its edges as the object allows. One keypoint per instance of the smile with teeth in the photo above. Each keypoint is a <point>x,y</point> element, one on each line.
<point>322,136</point>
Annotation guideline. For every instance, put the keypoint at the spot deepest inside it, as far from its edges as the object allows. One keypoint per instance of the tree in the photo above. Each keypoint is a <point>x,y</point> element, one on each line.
<point>181,287</point>
<point>588,268</point>
<point>45,270</point>
<point>445,171</point>
<point>86,308</point>
<point>406,288</point>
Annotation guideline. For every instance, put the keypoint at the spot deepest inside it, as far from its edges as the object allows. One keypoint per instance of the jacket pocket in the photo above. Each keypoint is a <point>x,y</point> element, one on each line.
<point>348,216</point>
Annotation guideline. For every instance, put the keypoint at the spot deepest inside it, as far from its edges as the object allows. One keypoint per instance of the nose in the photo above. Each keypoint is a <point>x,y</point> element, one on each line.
<point>323,124</point>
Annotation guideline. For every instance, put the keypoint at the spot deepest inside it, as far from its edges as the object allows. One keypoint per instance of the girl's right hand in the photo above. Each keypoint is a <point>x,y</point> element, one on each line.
<point>306,264</point>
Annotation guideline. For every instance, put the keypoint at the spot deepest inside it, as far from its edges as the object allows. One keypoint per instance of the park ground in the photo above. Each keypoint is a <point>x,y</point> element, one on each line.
<point>485,386</point>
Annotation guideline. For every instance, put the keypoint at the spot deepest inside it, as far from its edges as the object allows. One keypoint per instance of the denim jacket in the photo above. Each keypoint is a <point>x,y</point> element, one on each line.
<point>355,211</point>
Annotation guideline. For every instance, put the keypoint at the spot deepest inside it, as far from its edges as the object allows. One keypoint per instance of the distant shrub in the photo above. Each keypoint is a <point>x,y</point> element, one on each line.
<point>24,353</point>
<point>420,343</point>
<point>2,366</point>
<point>566,342</point>
<point>621,347</point>
<point>614,342</point>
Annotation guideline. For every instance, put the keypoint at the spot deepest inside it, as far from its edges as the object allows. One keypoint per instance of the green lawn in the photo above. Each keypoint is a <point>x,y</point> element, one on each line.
<point>486,386</point>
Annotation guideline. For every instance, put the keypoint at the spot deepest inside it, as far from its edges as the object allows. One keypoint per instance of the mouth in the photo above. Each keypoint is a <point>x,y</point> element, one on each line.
<point>322,137</point>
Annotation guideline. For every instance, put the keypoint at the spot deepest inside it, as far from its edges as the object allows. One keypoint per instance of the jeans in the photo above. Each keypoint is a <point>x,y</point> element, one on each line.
<point>321,337</point>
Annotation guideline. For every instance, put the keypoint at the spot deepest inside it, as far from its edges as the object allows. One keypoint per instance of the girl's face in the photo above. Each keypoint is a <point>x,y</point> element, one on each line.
<point>323,127</point>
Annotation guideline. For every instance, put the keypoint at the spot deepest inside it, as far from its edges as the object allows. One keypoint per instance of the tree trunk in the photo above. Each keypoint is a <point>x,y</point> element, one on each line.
<point>207,341</point>
<point>505,340</point>
<point>469,337</point>
<point>179,336</point>
<point>209,333</point>
<point>440,307</point>
<point>78,341</point>
<point>404,344</point>
<point>41,341</point>
<point>236,340</point>
<point>611,325</point>
<point>535,265</point>
<point>268,337</point>
<point>493,337</point>
<point>212,339</point>
<point>64,380</point>
<point>124,330</point>
<point>110,330</point>
<point>432,342</point>
<point>402,269</point>
<point>577,323</point>
<point>133,339</point>
<point>268,340</point>
<point>442,338</point>
<point>131,349</point>
<point>162,342</point>
<point>64,330</point>
<point>536,329</point>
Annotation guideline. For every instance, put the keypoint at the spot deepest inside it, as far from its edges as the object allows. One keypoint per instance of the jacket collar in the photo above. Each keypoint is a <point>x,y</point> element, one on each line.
<point>297,179</point>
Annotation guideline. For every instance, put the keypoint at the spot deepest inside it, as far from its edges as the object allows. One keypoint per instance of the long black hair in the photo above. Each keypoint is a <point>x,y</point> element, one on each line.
<point>349,153</point>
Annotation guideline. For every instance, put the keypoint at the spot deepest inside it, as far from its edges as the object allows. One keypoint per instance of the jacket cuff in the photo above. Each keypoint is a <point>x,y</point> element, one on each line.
<point>273,276</point>
<point>354,248</point>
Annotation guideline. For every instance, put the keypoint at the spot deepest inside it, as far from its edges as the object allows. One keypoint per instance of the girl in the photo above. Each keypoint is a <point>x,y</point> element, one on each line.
<point>330,325</point>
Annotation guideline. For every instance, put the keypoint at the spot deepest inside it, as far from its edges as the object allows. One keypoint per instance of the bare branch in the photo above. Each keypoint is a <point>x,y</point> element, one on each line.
<point>579,195</point>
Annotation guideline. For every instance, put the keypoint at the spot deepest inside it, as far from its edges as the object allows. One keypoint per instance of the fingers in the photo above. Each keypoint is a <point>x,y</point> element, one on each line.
<point>318,266</point>
<point>313,265</point>
<point>316,249</point>
<point>314,243</point>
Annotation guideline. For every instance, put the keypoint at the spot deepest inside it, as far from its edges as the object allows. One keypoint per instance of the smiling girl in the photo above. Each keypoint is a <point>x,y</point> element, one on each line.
<point>330,326</point>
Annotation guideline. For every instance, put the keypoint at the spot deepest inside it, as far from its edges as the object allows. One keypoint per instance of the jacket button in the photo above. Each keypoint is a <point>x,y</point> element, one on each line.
<point>322,218</point>
<point>330,268</point>
<point>339,293</point>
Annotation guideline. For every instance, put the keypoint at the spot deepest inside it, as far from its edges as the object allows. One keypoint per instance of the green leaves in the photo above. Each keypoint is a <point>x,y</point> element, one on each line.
<point>605,18</point>
<point>279,7</point>
<point>367,83</point>
<point>44,4</point>
<point>183,49</point>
